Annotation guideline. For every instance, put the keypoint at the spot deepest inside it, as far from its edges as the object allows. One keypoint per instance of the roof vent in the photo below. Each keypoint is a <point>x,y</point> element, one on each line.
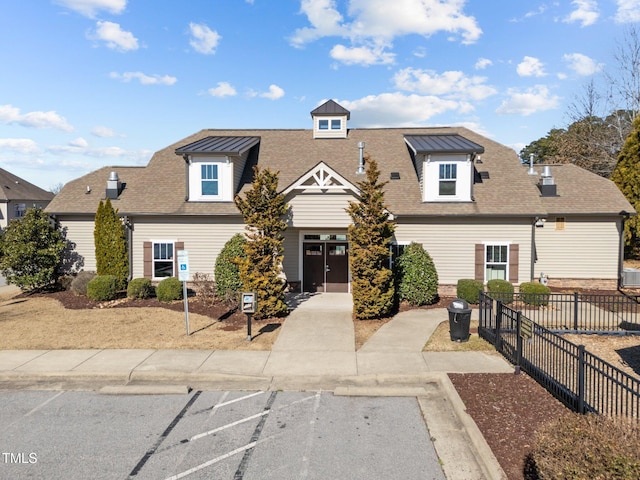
<point>546,184</point>
<point>360,170</point>
<point>114,187</point>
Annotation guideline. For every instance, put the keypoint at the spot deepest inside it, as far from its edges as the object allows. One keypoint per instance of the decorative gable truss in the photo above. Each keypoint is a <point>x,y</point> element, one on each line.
<point>320,179</point>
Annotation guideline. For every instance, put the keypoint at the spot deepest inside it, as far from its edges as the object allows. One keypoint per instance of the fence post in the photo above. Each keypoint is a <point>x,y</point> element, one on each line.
<point>481,309</point>
<point>498,343</point>
<point>581,378</point>
<point>518,342</point>
<point>575,311</point>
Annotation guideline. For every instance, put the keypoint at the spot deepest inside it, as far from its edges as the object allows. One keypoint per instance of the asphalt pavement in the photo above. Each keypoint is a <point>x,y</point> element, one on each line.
<point>313,352</point>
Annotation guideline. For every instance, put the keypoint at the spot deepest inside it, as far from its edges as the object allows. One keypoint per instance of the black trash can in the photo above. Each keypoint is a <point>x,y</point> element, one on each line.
<point>459,320</point>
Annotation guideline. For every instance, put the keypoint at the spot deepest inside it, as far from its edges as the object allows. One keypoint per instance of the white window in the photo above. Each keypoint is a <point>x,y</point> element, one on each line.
<point>163,259</point>
<point>496,261</point>
<point>336,124</point>
<point>21,210</point>
<point>209,180</point>
<point>323,124</point>
<point>447,179</point>
<point>397,249</point>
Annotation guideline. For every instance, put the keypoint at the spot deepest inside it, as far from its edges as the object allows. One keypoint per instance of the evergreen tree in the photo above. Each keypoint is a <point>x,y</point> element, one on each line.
<point>227,273</point>
<point>370,236</point>
<point>627,177</point>
<point>263,210</point>
<point>112,257</point>
<point>31,251</point>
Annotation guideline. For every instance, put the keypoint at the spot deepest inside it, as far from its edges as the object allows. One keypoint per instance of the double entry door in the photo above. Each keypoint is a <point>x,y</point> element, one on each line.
<point>325,267</point>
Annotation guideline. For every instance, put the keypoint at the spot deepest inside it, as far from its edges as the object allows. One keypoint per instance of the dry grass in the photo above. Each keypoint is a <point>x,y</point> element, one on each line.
<point>43,323</point>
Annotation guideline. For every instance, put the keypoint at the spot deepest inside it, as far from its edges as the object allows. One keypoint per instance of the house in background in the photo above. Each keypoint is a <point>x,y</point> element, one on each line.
<point>16,195</point>
<point>465,198</point>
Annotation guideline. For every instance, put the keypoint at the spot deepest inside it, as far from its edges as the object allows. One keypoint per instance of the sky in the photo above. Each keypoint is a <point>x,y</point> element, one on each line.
<point>92,83</point>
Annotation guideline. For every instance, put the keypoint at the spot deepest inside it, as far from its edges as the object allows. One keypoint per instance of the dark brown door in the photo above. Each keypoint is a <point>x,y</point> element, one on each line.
<point>313,266</point>
<point>337,269</point>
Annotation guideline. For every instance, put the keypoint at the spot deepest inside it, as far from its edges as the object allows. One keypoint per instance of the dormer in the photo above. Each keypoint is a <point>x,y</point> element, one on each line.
<point>214,167</point>
<point>330,120</point>
<point>444,163</point>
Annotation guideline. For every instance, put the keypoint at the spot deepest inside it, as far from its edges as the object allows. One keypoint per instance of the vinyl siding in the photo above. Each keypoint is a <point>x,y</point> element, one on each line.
<point>586,248</point>
<point>320,210</point>
<point>238,169</point>
<point>451,243</point>
<point>79,232</point>
<point>291,261</point>
<point>203,238</point>
<point>4,221</point>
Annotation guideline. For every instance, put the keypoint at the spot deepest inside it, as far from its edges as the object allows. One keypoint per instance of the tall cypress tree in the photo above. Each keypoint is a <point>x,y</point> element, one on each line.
<point>263,210</point>
<point>370,236</point>
<point>112,257</point>
<point>627,176</point>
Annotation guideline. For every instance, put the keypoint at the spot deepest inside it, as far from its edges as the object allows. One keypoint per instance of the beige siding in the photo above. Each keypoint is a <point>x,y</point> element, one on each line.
<point>203,238</point>
<point>451,243</point>
<point>291,260</point>
<point>238,169</point>
<point>320,210</point>
<point>586,248</point>
<point>80,233</point>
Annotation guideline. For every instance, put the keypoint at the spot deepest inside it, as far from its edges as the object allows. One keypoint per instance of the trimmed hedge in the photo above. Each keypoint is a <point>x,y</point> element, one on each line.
<point>499,289</point>
<point>535,294</point>
<point>416,276</point>
<point>103,288</point>
<point>140,288</point>
<point>227,272</point>
<point>80,282</point>
<point>469,290</point>
<point>169,289</point>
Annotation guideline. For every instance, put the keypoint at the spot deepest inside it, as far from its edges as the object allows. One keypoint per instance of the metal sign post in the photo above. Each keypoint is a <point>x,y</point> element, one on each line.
<point>183,276</point>
<point>248,306</point>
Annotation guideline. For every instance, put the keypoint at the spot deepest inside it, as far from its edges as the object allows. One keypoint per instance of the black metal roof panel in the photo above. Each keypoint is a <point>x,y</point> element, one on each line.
<point>442,143</point>
<point>330,108</point>
<point>219,145</point>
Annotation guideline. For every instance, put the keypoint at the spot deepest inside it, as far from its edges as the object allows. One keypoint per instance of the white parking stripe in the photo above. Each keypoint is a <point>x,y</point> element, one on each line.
<point>212,462</point>
<point>43,404</point>
<point>220,405</point>
<point>304,473</point>
<point>228,425</point>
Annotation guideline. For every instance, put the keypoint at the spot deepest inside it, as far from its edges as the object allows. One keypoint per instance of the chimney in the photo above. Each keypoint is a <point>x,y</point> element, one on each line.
<point>113,186</point>
<point>546,184</point>
<point>361,162</point>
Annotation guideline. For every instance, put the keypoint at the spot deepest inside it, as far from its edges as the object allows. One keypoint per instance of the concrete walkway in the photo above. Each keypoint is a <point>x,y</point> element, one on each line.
<point>315,350</point>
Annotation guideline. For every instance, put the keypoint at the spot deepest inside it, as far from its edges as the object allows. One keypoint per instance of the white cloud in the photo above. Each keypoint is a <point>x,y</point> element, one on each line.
<point>586,13</point>
<point>628,11</point>
<point>483,63</point>
<point>204,39</point>
<point>144,79</point>
<point>89,8</point>
<point>530,67</point>
<point>534,99</point>
<point>581,64</point>
<point>453,84</point>
<point>114,36</point>
<point>398,109</point>
<point>378,22</point>
<point>104,132</point>
<point>274,93</point>
<point>11,115</point>
<point>19,145</point>
<point>361,55</point>
<point>224,89</point>
<point>79,142</point>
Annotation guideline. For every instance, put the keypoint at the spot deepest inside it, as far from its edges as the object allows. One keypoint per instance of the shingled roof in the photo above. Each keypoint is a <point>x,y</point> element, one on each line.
<point>14,188</point>
<point>160,187</point>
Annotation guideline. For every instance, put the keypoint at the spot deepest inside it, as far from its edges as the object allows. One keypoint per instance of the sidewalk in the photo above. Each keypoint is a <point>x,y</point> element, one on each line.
<point>314,351</point>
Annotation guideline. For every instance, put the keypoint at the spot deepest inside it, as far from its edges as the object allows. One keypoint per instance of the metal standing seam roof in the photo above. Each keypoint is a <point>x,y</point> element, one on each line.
<point>446,143</point>
<point>331,108</point>
<point>223,145</point>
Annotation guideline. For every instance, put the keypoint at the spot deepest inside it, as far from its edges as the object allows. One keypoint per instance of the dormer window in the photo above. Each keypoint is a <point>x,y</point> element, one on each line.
<point>330,121</point>
<point>209,175</point>
<point>448,177</point>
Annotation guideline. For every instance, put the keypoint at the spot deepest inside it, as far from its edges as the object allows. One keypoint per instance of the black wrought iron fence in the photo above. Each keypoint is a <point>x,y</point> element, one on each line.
<point>579,379</point>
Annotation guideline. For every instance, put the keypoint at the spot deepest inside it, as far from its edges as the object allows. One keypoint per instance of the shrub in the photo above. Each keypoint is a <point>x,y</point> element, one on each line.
<point>535,294</point>
<point>169,289</point>
<point>204,287</point>
<point>469,290</point>
<point>500,290</point>
<point>227,273</point>
<point>140,288</point>
<point>103,287</point>
<point>79,284</point>
<point>586,446</point>
<point>110,242</point>
<point>416,276</point>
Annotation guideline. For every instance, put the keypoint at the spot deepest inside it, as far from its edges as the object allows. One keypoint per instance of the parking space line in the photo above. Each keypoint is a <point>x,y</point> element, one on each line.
<point>310,437</point>
<point>212,462</point>
<point>43,404</point>
<point>228,425</point>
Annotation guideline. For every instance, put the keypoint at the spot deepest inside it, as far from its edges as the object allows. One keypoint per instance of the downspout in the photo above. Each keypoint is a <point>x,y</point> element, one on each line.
<point>128,226</point>
<point>533,248</point>
<point>624,216</point>
<point>187,160</point>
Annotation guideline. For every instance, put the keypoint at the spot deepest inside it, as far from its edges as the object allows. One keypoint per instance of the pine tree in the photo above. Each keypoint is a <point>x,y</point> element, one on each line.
<point>263,210</point>
<point>31,251</point>
<point>626,175</point>
<point>370,236</point>
<point>112,257</point>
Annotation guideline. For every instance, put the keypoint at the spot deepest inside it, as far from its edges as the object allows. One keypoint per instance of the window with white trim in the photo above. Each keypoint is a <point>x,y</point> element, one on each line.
<point>323,124</point>
<point>336,124</point>
<point>496,262</point>
<point>209,179</point>
<point>447,179</point>
<point>21,210</point>
<point>163,260</point>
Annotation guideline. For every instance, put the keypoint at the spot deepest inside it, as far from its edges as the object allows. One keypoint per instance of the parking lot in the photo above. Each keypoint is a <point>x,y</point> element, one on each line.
<point>213,434</point>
